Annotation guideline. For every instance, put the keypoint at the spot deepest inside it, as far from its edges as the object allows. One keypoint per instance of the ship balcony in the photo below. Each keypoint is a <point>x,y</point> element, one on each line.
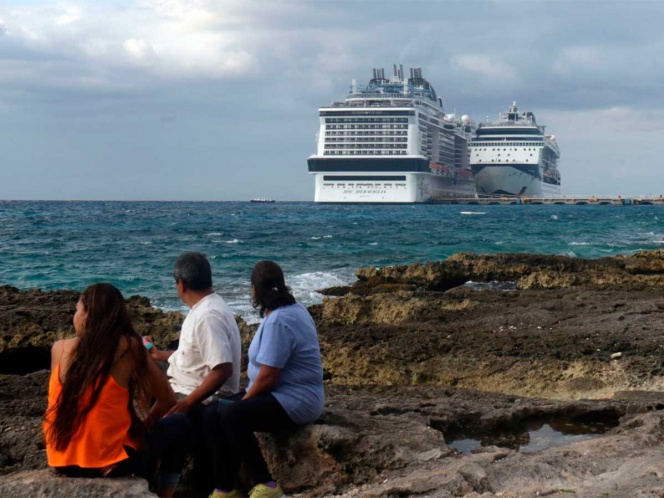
<point>384,100</point>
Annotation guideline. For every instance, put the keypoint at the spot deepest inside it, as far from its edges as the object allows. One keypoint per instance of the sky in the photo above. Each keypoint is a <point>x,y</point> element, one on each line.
<point>218,99</point>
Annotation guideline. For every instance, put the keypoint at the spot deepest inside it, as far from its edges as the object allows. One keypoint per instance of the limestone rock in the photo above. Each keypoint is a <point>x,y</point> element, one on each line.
<point>31,321</point>
<point>530,271</point>
<point>46,484</point>
<point>411,357</point>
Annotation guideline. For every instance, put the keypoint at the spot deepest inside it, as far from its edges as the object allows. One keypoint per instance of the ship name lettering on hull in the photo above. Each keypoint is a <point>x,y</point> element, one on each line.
<point>362,191</point>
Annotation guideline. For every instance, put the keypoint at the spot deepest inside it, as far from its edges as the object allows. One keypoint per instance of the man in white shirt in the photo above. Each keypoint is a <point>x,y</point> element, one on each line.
<point>207,360</point>
<point>204,367</point>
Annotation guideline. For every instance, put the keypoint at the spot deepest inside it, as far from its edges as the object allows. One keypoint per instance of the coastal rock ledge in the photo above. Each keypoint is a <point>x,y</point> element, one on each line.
<point>417,363</point>
<point>45,483</point>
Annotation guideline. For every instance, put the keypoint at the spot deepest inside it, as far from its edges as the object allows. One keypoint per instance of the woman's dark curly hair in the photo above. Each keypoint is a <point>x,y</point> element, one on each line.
<point>271,290</point>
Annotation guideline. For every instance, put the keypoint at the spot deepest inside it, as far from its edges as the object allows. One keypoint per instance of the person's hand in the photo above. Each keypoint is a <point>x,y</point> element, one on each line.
<point>149,345</point>
<point>182,406</point>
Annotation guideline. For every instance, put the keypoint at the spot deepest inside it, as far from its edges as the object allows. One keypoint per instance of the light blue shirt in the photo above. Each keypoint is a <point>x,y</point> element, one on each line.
<point>287,340</point>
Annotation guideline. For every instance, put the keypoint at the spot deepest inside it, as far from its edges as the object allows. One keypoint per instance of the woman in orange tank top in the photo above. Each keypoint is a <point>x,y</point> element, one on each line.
<point>99,392</point>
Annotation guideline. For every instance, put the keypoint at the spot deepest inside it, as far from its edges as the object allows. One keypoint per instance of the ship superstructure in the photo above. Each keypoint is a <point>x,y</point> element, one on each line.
<point>515,157</point>
<point>391,142</point>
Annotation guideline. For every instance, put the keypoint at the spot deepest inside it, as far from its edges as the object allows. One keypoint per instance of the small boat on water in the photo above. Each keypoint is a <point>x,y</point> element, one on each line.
<point>261,199</point>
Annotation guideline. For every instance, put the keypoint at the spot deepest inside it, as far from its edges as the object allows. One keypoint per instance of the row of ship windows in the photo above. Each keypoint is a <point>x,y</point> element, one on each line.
<point>502,148</point>
<point>508,155</point>
<point>441,136</point>
<point>365,146</point>
<point>358,133</point>
<point>500,144</point>
<point>360,139</point>
<point>372,185</point>
<point>367,127</point>
<point>366,120</point>
<point>365,152</point>
<point>436,123</point>
<point>503,161</point>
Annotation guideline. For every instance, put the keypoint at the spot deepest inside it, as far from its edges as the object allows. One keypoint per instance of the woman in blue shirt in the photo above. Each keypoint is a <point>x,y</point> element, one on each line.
<point>285,386</point>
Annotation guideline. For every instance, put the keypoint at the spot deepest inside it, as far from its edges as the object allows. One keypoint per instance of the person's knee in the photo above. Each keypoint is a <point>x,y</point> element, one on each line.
<point>179,424</point>
<point>230,414</point>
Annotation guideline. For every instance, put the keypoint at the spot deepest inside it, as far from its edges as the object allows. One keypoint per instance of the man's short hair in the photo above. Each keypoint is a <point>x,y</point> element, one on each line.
<point>193,269</point>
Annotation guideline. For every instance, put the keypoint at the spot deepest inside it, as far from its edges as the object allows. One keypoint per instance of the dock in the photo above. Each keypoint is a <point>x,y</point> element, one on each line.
<point>551,201</point>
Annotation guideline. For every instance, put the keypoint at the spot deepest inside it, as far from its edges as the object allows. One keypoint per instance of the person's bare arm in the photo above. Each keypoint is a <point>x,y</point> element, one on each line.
<point>266,380</point>
<point>61,351</point>
<point>210,385</point>
<point>161,389</point>
<point>56,353</point>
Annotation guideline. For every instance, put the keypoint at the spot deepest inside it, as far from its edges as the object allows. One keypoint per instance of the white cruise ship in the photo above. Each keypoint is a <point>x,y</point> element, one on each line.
<point>514,156</point>
<point>391,142</point>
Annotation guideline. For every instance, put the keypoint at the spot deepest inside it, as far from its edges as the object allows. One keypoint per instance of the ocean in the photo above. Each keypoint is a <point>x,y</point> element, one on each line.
<point>69,245</point>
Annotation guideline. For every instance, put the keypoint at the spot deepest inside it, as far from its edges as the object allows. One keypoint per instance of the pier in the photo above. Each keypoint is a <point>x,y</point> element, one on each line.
<point>551,201</point>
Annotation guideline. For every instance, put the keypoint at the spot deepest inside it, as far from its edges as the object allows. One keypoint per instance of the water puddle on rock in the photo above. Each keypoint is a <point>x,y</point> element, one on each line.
<point>493,285</point>
<point>532,435</point>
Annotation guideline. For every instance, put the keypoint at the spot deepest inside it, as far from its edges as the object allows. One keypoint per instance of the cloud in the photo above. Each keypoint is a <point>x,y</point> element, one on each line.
<point>70,15</point>
<point>485,66</point>
<point>141,51</point>
<point>168,39</point>
<point>472,52</point>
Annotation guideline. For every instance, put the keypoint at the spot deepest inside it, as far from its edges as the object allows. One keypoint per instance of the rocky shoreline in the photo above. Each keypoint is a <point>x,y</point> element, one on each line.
<point>414,358</point>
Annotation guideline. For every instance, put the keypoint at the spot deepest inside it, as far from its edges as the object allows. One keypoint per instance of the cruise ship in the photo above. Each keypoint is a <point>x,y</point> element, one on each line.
<point>391,142</point>
<point>514,156</point>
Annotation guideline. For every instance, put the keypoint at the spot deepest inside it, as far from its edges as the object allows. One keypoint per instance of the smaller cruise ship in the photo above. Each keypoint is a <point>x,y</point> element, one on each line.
<point>515,157</point>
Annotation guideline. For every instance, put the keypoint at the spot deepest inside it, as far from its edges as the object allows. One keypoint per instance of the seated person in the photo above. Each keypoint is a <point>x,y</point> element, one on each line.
<point>205,367</point>
<point>98,378</point>
<point>285,387</point>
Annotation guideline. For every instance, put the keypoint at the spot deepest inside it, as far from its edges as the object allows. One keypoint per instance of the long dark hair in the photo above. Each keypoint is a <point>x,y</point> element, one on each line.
<point>271,290</point>
<point>107,322</point>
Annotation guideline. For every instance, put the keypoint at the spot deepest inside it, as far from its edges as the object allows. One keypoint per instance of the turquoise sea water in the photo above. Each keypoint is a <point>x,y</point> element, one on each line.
<point>55,245</point>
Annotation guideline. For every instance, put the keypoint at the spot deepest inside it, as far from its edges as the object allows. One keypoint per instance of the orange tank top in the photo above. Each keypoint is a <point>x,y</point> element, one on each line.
<point>103,433</point>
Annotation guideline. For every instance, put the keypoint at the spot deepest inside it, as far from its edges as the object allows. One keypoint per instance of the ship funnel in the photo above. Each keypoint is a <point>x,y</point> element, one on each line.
<point>379,74</point>
<point>353,85</point>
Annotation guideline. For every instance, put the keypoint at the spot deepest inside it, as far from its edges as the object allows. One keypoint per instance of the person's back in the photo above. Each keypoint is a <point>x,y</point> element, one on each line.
<point>285,387</point>
<point>103,433</point>
<point>90,425</point>
<point>291,341</point>
<point>209,337</point>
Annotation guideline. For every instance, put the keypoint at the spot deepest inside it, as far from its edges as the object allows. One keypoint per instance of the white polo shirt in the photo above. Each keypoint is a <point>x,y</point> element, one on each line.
<point>209,337</point>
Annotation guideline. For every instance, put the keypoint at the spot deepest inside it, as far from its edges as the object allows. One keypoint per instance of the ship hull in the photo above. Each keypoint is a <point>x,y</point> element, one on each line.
<point>399,181</point>
<point>519,180</point>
